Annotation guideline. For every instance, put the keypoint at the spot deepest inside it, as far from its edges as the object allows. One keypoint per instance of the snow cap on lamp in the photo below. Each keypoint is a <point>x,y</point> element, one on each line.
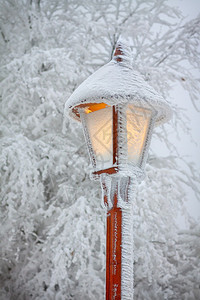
<point>118,83</point>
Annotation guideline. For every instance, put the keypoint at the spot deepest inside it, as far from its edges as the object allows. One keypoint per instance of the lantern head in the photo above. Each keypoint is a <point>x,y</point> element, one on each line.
<point>118,111</point>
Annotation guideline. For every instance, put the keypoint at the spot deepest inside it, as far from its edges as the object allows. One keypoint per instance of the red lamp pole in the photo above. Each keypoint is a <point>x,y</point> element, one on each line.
<point>113,252</point>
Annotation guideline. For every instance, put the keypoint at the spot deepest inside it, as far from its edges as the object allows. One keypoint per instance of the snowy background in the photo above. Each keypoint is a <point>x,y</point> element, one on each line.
<point>186,147</point>
<point>52,243</point>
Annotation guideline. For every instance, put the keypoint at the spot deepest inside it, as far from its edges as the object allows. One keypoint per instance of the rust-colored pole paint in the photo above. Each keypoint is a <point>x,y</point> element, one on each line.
<point>113,252</point>
<point>118,51</point>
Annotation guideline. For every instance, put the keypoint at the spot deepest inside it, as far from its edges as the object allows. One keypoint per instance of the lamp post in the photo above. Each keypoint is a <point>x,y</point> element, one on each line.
<point>118,111</point>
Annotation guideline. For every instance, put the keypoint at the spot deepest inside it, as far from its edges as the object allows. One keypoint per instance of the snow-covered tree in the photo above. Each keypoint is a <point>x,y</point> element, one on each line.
<point>52,223</point>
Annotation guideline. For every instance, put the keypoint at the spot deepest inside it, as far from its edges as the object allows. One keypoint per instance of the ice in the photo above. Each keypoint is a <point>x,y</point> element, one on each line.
<point>127,283</point>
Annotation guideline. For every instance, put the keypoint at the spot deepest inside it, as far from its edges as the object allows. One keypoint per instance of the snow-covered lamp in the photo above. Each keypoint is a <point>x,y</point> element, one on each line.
<point>118,110</point>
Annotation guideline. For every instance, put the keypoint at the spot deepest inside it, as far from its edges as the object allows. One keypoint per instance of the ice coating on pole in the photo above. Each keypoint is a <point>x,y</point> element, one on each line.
<point>127,284</point>
<point>126,195</point>
<point>127,281</point>
<point>118,83</point>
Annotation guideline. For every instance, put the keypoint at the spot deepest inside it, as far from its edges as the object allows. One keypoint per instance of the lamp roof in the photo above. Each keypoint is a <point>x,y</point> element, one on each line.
<point>118,83</point>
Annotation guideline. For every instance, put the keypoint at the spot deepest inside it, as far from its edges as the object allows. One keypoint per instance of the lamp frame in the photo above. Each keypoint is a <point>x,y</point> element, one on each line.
<point>118,163</point>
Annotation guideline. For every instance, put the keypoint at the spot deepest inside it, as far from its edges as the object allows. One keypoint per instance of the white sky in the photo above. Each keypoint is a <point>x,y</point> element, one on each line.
<point>190,8</point>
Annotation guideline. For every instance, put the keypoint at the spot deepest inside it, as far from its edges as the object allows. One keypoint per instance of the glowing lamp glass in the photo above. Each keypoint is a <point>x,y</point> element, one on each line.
<point>138,120</point>
<point>117,136</point>
<point>98,122</point>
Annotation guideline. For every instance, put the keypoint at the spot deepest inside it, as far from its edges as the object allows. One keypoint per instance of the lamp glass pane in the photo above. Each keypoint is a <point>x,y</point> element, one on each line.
<point>138,123</point>
<point>99,126</point>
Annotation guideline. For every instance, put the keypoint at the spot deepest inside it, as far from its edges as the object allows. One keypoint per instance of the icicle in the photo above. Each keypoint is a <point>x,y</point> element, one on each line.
<point>106,186</point>
<point>123,192</point>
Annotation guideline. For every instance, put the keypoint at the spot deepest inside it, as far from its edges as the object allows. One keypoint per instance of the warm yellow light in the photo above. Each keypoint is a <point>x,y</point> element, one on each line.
<point>95,107</point>
<point>138,121</point>
<point>98,119</point>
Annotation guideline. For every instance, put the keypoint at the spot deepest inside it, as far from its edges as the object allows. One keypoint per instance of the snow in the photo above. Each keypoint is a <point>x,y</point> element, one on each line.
<point>119,83</point>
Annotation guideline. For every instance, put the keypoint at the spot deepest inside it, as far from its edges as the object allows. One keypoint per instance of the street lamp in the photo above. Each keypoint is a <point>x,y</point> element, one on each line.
<point>118,111</point>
